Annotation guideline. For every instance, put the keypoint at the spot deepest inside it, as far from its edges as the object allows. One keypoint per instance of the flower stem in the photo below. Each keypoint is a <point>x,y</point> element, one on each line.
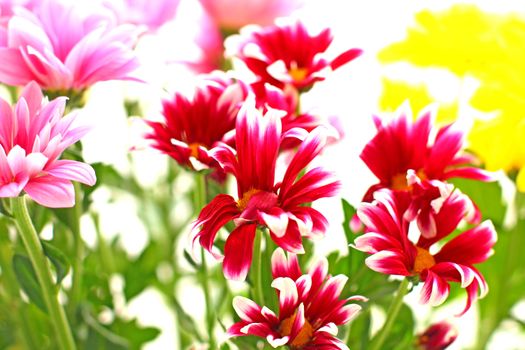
<point>41,265</point>
<point>75,214</point>
<point>200,202</point>
<point>257,268</point>
<point>391,315</point>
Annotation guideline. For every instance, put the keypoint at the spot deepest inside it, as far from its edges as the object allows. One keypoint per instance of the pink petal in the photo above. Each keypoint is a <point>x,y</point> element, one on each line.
<point>73,170</point>
<point>13,70</point>
<point>51,192</point>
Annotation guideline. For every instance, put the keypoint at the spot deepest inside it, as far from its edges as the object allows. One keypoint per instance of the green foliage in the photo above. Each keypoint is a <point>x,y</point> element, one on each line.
<point>26,276</point>
<point>58,259</point>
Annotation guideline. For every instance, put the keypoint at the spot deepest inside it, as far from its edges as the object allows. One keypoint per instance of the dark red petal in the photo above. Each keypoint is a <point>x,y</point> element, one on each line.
<point>238,252</point>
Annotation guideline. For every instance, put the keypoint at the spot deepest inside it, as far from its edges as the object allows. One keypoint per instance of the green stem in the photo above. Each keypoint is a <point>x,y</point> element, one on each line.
<point>75,214</point>
<point>200,202</point>
<point>391,315</point>
<point>499,309</point>
<point>257,268</point>
<point>24,333</point>
<point>43,272</point>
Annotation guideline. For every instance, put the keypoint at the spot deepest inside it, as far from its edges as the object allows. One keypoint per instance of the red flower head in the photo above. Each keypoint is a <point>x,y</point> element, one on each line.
<point>278,205</point>
<point>192,127</point>
<point>287,100</point>
<point>309,307</point>
<point>287,54</point>
<point>437,337</point>
<point>406,157</point>
<point>394,253</point>
<point>402,144</point>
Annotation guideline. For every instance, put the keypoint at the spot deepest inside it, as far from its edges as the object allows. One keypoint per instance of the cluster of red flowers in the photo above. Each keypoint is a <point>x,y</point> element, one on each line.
<point>238,128</point>
<point>413,166</point>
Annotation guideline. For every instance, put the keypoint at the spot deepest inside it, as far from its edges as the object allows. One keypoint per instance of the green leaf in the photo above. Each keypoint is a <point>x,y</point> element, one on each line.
<point>401,336</point>
<point>359,336</point>
<point>185,321</point>
<point>486,195</point>
<point>348,211</point>
<point>58,259</point>
<point>26,276</point>
<point>135,334</point>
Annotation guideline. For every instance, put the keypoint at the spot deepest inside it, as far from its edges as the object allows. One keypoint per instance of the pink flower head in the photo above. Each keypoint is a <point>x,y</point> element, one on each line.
<point>61,47</point>
<point>310,308</point>
<point>192,127</point>
<point>153,14</point>
<point>234,14</point>
<point>393,253</point>
<point>33,135</point>
<point>402,145</point>
<point>437,337</point>
<point>288,54</point>
<point>261,200</point>
<point>7,8</point>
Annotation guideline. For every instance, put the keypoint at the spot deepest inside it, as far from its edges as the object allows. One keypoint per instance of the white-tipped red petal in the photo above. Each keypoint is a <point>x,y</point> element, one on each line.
<point>288,296</point>
<point>238,252</point>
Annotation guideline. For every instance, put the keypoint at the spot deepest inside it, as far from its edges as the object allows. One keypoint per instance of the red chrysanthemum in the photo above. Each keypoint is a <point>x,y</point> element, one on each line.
<point>287,100</point>
<point>310,308</point>
<point>403,144</point>
<point>437,337</point>
<point>278,205</point>
<point>288,54</point>
<point>394,253</point>
<point>194,126</point>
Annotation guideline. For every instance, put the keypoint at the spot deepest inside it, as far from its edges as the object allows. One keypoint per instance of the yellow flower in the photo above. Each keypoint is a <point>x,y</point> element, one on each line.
<point>489,47</point>
<point>396,92</point>
<point>463,39</point>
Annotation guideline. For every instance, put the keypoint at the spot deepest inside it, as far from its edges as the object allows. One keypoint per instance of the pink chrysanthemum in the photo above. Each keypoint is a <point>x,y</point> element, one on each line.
<point>278,205</point>
<point>33,135</point>
<point>233,14</point>
<point>61,47</point>
<point>153,14</point>
<point>194,126</point>
<point>393,253</point>
<point>310,308</point>
<point>288,54</point>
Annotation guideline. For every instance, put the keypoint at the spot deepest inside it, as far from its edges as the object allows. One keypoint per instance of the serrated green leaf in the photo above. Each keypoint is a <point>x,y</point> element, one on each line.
<point>26,276</point>
<point>58,259</point>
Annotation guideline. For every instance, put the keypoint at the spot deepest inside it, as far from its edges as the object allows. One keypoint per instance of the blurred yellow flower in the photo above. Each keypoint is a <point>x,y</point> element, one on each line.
<point>489,47</point>
<point>395,92</point>
<point>462,39</point>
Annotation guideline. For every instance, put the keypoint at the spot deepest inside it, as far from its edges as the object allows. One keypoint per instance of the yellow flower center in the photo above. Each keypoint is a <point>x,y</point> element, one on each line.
<point>399,181</point>
<point>303,337</point>
<point>424,260</point>
<point>298,74</point>
<point>242,203</point>
<point>194,148</point>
